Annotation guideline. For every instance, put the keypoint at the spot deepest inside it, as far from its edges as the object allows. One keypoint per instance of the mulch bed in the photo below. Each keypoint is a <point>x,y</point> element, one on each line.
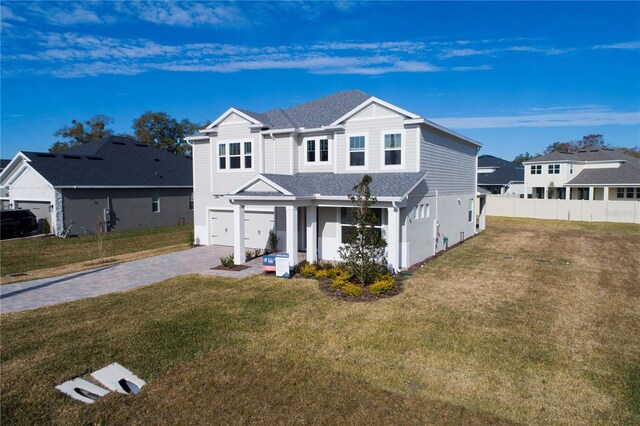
<point>234,268</point>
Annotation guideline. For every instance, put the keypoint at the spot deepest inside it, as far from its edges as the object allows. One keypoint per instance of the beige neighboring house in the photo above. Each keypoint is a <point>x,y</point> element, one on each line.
<point>592,173</point>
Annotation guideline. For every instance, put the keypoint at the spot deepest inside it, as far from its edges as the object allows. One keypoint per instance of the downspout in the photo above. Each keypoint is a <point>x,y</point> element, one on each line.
<point>436,227</point>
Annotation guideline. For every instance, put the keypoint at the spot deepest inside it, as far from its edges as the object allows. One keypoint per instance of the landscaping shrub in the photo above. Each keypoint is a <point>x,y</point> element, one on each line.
<point>341,280</point>
<point>228,261</point>
<point>308,271</point>
<point>351,289</point>
<point>382,285</point>
<point>328,273</point>
<point>273,241</point>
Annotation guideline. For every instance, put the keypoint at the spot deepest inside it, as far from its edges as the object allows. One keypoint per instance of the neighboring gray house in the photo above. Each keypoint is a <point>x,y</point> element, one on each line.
<point>4,194</point>
<point>592,173</point>
<point>500,176</point>
<point>292,170</point>
<point>125,183</point>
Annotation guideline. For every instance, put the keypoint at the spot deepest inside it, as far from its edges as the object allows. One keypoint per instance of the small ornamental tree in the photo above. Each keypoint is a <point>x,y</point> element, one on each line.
<point>363,253</point>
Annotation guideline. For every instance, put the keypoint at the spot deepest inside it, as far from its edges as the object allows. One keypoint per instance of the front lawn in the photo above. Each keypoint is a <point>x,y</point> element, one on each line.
<point>31,254</point>
<point>530,322</point>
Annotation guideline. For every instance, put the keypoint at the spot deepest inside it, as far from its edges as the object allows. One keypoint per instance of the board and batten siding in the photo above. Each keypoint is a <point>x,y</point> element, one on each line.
<point>450,165</point>
<point>373,129</point>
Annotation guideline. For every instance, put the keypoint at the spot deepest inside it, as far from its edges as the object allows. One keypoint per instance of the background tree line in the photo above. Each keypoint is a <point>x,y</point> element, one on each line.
<point>154,128</point>
<point>573,146</point>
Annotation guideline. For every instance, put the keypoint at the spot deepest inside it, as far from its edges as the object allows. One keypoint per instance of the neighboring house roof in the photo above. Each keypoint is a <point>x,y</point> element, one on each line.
<point>113,161</point>
<point>3,164</point>
<point>626,174</point>
<point>482,191</point>
<point>591,153</point>
<point>317,113</point>
<point>340,185</point>
<point>505,172</point>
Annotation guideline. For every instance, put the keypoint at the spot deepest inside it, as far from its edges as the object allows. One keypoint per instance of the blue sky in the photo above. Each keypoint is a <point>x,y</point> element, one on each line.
<point>514,76</point>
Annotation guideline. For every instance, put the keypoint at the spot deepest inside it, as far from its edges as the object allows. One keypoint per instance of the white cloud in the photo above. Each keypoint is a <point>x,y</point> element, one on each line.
<point>473,68</point>
<point>64,14</point>
<point>560,119</point>
<point>627,45</point>
<point>185,14</point>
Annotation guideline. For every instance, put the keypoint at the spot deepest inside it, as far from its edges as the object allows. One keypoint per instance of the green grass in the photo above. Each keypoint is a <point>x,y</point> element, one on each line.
<point>487,333</point>
<point>28,254</point>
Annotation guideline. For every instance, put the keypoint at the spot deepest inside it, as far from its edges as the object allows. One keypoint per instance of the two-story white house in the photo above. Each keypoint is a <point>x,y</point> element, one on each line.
<point>292,171</point>
<point>592,173</point>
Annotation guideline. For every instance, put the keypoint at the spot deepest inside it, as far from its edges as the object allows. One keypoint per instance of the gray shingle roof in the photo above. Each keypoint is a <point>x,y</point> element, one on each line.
<point>317,113</point>
<point>113,161</point>
<point>330,184</point>
<point>626,174</point>
<point>588,154</point>
<point>506,172</point>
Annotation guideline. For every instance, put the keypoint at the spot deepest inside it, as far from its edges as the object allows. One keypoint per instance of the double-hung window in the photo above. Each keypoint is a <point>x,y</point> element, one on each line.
<point>536,169</point>
<point>235,155</point>
<point>357,151</point>
<point>324,150</point>
<point>311,151</point>
<point>392,149</point>
<point>554,169</point>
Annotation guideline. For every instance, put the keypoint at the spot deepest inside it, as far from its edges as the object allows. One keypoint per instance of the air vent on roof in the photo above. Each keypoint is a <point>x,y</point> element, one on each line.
<point>71,157</point>
<point>594,150</point>
<point>582,150</point>
<point>156,160</point>
<point>94,158</point>
<point>118,143</point>
<point>46,155</point>
<point>142,145</point>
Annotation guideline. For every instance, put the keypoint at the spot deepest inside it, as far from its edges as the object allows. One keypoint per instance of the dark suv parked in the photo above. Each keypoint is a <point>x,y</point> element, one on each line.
<point>17,223</point>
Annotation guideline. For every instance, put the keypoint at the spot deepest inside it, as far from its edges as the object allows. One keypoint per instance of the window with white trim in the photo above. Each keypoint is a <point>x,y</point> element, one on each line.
<point>554,169</point>
<point>317,151</point>
<point>191,201</point>
<point>620,192</point>
<point>470,209</point>
<point>155,202</point>
<point>347,227</point>
<point>357,150</point>
<point>629,192</point>
<point>235,155</point>
<point>536,169</point>
<point>392,149</point>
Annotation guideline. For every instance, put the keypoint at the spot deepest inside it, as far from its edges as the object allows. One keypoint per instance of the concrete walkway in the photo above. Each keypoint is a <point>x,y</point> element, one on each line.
<point>124,276</point>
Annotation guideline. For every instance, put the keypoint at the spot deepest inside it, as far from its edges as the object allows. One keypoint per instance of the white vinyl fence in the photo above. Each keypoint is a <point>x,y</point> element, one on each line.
<point>627,211</point>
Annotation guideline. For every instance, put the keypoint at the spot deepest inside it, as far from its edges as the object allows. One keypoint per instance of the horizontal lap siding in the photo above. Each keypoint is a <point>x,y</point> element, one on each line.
<point>201,167</point>
<point>451,165</point>
<point>228,180</point>
<point>373,128</point>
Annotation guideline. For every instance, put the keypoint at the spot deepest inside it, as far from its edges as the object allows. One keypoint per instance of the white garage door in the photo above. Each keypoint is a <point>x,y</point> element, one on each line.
<point>256,228</point>
<point>38,208</point>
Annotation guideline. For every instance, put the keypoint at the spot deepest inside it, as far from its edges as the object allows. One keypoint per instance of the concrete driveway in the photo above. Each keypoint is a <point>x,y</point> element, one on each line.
<point>108,279</point>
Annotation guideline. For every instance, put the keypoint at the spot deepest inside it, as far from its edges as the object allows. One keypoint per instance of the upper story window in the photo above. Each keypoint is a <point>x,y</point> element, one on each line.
<point>536,169</point>
<point>234,155</point>
<point>317,150</point>
<point>392,149</point>
<point>357,150</point>
<point>554,169</point>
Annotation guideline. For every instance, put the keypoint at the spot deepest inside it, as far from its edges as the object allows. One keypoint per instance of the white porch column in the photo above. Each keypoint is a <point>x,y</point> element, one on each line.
<point>312,234</point>
<point>292,234</point>
<point>605,196</point>
<point>393,238</point>
<point>238,234</point>
<point>592,193</point>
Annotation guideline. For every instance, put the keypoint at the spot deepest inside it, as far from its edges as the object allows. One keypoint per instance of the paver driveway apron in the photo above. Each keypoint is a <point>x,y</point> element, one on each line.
<point>108,279</point>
